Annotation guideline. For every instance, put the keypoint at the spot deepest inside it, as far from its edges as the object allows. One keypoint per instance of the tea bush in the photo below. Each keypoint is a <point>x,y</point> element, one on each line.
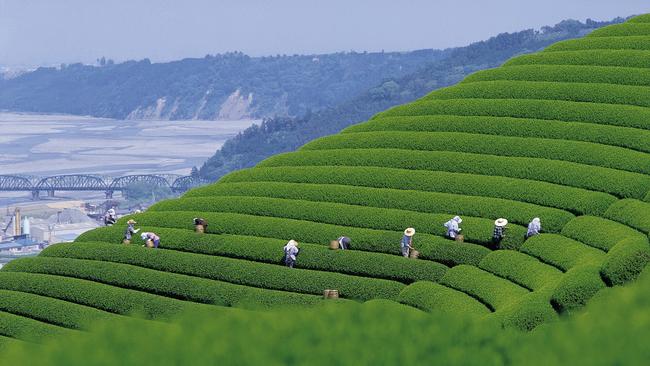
<point>576,287</point>
<point>30,330</point>
<point>553,149</point>
<point>476,229</point>
<point>431,296</point>
<point>598,232</point>
<point>625,261</point>
<point>575,200</point>
<point>604,114</point>
<point>602,43</point>
<point>113,299</point>
<point>565,73</point>
<point>516,212</point>
<point>493,291</point>
<point>633,213</point>
<point>519,268</point>
<point>561,252</point>
<point>172,264</point>
<point>635,139</point>
<point>622,58</point>
<point>617,182</point>
<point>431,247</point>
<point>544,90</point>
<point>625,29</point>
<point>52,311</point>
<point>268,250</point>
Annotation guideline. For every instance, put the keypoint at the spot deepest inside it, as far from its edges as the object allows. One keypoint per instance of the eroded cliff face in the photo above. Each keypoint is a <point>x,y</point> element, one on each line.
<point>236,106</point>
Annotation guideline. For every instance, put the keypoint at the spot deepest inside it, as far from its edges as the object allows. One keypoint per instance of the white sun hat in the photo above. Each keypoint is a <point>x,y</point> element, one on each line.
<point>409,232</point>
<point>501,222</point>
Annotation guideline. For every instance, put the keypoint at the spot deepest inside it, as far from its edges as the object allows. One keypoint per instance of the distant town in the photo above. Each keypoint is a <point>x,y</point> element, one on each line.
<point>72,205</point>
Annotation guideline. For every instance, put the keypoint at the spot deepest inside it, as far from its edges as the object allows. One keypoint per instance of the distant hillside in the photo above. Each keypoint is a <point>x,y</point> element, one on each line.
<point>228,86</point>
<point>284,134</point>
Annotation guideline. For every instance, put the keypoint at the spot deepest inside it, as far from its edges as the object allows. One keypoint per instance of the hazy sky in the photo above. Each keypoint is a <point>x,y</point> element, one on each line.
<point>52,31</point>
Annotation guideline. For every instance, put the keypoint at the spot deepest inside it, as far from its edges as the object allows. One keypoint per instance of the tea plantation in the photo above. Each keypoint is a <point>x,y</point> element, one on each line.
<point>563,135</point>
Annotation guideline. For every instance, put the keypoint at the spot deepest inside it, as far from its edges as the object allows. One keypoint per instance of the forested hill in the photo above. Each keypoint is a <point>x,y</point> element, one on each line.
<point>283,134</point>
<point>227,86</point>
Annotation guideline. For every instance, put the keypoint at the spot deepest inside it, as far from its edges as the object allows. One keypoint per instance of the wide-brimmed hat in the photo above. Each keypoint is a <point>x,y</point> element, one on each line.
<point>501,222</point>
<point>131,222</point>
<point>409,232</point>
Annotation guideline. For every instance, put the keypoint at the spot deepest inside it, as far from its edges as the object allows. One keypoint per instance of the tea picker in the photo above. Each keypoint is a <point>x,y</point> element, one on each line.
<point>342,243</point>
<point>151,240</point>
<point>534,227</point>
<point>499,230</point>
<point>200,225</point>
<point>110,218</point>
<point>407,242</point>
<point>291,253</point>
<point>453,228</point>
<point>130,231</point>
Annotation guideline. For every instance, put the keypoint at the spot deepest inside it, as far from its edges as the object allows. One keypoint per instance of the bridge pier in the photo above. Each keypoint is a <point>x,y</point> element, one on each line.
<point>109,195</point>
<point>36,195</point>
<point>50,193</point>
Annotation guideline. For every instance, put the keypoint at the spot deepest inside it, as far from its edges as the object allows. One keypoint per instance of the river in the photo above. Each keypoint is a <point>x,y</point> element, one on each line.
<point>35,144</point>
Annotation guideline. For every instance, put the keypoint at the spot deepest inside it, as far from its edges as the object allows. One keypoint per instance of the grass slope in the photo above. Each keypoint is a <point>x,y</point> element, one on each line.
<point>562,134</point>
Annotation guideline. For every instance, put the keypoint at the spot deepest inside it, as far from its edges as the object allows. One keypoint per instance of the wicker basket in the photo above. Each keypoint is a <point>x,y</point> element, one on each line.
<point>460,238</point>
<point>149,243</point>
<point>334,245</point>
<point>414,254</point>
<point>331,294</point>
<point>126,241</point>
<point>199,229</point>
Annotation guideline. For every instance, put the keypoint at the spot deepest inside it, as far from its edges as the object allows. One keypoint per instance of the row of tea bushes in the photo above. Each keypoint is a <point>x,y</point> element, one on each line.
<point>269,250</point>
<point>575,200</point>
<point>594,178</point>
<point>635,139</point>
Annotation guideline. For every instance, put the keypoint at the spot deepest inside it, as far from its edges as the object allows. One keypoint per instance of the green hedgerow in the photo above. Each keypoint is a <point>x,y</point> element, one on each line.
<point>431,247</point>
<point>432,296</point>
<point>544,90</point>
<point>52,311</point>
<point>519,268</point>
<point>561,252</point>
<point>552,149</point>
<point>100,296</point>
<point>602,43</point>
<point>572,199</point>
<point>565,73</point>
<point>269,250</point>
<point>493,291</point>
<point>620,58</point>
<point>625,261</point>
<point>527,313</point>
<point>596,113</point>
<point>173,264</point>
<point>431,202</point>
<point>30,330</point>
<point>598,232</point>
<point>633,213</point>
<point>631,138</point>
<point>576,287</point>
<point>645,18</point>
<point>624,29</point>
<point>612,181</point>
<point>476,230</point>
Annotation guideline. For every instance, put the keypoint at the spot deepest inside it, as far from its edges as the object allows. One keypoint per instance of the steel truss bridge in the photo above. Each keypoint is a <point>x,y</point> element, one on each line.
<point>85,182</point>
